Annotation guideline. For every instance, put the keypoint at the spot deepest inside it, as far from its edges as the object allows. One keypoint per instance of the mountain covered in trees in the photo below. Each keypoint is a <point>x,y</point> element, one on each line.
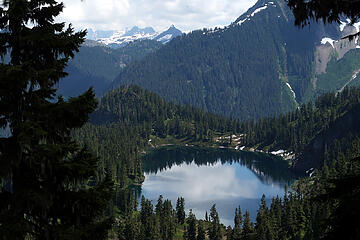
<point>259,65</point>
<point>97,65</point>
<point>325,132</point>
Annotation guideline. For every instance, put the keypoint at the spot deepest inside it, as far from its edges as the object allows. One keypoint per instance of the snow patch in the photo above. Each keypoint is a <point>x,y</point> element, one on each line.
<point>357,26</point>
<point>278,152</point>
<point>167,37</point>
<point>258,10</point>
<point>327,40</point>
<point>243,20</point>
<point>342,25</point>
<point>287,84</point>
<point>119,39</point>
<point>355,74</point>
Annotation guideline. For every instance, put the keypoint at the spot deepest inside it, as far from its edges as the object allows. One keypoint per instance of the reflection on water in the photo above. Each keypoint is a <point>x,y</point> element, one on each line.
<point>207,176</point>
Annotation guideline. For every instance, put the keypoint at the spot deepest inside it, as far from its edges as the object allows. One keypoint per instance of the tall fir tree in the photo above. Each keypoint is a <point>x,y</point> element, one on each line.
<point>248,227</point>
<point>261,220</point>
<point>180,210</point>
<point>45,192</point>
<point>191,229</point>
<point>236,233</point>
<point>214,229</point>
<point>201,231</point>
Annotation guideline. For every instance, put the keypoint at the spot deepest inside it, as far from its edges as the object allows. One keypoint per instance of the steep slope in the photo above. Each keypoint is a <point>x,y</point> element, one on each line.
<point>341,134</point>
<point>97,65</point>
<point>260,65</point>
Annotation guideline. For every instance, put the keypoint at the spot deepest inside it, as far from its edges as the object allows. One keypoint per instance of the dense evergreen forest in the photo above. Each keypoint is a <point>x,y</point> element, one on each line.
<point>316,132</point>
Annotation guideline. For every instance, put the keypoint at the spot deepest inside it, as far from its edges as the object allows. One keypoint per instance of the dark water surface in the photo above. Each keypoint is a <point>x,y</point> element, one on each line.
<point>206,176</point>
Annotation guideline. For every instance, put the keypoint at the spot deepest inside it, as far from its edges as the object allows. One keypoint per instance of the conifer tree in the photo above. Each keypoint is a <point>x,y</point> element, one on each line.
<point>261,220</point>
<point>214,231</point>
<point>228,233</point>
<point>201,231</point>
<point>46,194</point>
<point>191,229</point>
<point>180,210</point>
<point>159,206</point>
<point>247,226</point>
<point>236,234</point>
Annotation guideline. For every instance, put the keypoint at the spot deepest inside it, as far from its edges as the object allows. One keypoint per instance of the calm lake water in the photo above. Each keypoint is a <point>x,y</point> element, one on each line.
<point>223,177</point>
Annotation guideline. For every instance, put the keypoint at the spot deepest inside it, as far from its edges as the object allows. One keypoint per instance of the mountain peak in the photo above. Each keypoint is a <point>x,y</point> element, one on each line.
<point>121,38</point>
<point>168,35</point>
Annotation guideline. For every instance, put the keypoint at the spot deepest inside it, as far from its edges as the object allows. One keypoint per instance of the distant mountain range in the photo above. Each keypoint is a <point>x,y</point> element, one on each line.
<point>116,39</point>
<point>260,65</point>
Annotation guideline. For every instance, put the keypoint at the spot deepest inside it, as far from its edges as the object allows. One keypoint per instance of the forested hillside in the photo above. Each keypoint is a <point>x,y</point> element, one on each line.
<point>316,133</point>
<point>260,65</point>
<point>97,66</point>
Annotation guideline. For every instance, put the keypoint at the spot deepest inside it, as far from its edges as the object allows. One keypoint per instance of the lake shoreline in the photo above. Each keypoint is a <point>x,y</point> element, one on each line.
<point>233,169</point>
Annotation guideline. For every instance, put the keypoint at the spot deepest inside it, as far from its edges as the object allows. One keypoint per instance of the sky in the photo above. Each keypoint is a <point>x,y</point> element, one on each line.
<point>186,15</point>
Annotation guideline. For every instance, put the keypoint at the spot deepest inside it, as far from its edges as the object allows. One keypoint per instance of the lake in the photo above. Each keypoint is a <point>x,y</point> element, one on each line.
<point>206,176</point>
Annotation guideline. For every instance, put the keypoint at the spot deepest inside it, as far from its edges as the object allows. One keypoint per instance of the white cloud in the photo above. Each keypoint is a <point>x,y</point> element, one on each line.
<point>185,14</point>
<point>205,183</point>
